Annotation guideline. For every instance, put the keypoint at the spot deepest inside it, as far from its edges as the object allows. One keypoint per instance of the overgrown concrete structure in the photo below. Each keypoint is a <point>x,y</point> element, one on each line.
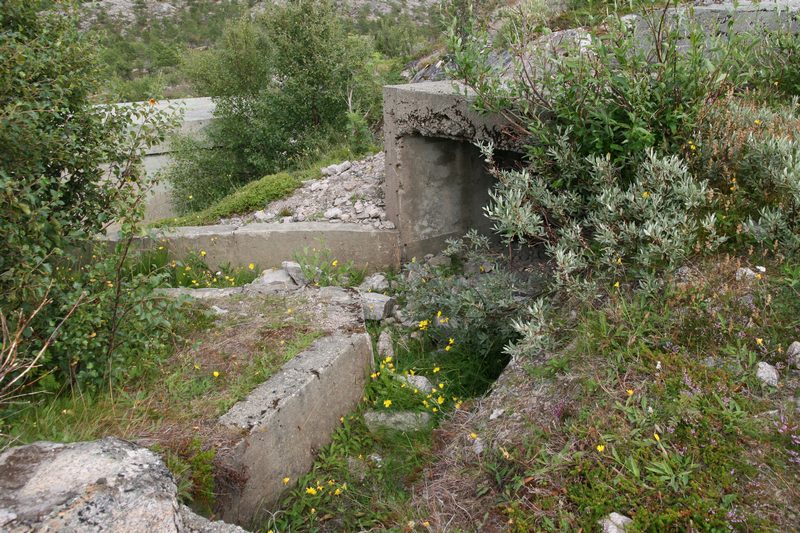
<point>436,181</point>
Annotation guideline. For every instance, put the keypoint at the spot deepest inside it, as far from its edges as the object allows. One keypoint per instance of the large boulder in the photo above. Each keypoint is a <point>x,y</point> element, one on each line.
<point>103,485</point>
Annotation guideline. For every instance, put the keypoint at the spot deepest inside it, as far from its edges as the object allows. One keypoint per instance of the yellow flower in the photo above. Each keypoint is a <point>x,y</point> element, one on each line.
<point>335,263</point>
<point>387,403</point>
<point>601,448</point>
<point>616,284</point>
<point>92,335</point>
<point>440,400</point>
<point>312,491</point>
<point>388,359</point>
<point>251,266</point>
<point>441,385</point>
<point>760,341</point>
<point>645,195</point>
<point>289,311</point>
<point>447,348</point>
<point>630,392</point>
<point>216,374</point>
<point>423,324</point>
<point>337,492</point>
<point>152,101</point>
<point>451,341</point>
<point>435,370</point>
<point>438,314</point>
<point>196,366</point>
<point>473,436</point>
<point>313,511</point>
<point>657,437</point>
<point>757,122</point>
<point>286,481</point>
<point>426,523</point>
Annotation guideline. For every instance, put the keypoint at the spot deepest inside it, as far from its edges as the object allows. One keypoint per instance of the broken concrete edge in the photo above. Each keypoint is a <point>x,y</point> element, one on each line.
<point>104,485</point>
<point>269,245</point>
<point>289,418</point>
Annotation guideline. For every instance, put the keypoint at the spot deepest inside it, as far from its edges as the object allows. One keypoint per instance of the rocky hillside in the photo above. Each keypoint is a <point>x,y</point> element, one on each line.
<point>127,10</point>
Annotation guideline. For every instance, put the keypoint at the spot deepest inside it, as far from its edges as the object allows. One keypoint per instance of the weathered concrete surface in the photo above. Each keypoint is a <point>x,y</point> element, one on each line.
<point>268,245</point>
<point>104,485</point>
<point>436,181</point>
<point>290,417</point>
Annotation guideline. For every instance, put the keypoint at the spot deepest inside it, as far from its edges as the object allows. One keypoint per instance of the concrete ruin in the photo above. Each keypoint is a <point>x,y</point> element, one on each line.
<point>436,180</point>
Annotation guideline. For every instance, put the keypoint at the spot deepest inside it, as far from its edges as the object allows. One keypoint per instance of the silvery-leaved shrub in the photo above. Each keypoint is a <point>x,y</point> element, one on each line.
<point>750,152</point>
<point>623,227</point>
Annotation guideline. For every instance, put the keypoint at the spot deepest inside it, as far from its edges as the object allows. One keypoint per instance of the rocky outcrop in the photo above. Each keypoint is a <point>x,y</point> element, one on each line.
<point>104,485</point>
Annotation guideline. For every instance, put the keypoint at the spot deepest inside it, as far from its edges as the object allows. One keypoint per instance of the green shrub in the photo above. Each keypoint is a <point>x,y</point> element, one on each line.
<point>68,170</point>
<point>284,84</point>
<point>750,152</point>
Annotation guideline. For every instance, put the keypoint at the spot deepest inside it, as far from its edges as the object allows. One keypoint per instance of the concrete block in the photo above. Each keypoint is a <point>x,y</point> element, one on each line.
<point>288,419</point>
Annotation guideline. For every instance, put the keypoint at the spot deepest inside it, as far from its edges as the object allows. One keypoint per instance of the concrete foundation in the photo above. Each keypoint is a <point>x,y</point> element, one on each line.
<point>288,419</point>
<point>268,245</point>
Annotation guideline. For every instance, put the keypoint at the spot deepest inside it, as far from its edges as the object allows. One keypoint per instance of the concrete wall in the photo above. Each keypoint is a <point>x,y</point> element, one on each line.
<point>268,245</point>
<point>197,114</point>
<point>436,181</point>
<point>286,421</point>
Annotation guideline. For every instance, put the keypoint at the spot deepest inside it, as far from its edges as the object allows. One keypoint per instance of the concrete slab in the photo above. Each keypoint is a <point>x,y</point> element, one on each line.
<point>269,245</point>
<point>288,419</point>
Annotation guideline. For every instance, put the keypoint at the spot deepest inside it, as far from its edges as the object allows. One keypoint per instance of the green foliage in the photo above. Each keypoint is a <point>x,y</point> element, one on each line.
<point>750,152</point>
<point>477,310</point>
<point>675,433</point>
<point>193,470</point>
<point>285,83</point>
<point>320,268</point>
<point>142,59</point>
<point>192,271</point>
<point>68,170</point>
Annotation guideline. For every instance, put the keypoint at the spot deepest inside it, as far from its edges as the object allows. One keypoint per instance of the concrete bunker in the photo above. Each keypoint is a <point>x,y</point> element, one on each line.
<point>436,180</point>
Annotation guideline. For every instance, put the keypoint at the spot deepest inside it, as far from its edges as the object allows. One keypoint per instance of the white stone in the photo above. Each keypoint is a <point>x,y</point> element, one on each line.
<point>416,382</point>
<point>375,212</point>
<point>262,216</point>
<point>745,273</point>
<point>402,421</point>
<point>333,213</point>
<point>374,283</point>
<point>273,279</point>
<point>104,485</point>
<point>497,413</point>
<point>793,355</point>
<point>295,272</point>
<point>219,310</point>
<point>385,346</point>
<point>615,523</point>
<point>767,373</point>
<point>359,207</point>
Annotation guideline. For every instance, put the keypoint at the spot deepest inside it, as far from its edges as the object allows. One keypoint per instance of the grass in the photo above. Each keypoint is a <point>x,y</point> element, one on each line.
<point>192,271</point>
<point>175,409</point>
<point>651,410</point>
<point>363,480</point>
